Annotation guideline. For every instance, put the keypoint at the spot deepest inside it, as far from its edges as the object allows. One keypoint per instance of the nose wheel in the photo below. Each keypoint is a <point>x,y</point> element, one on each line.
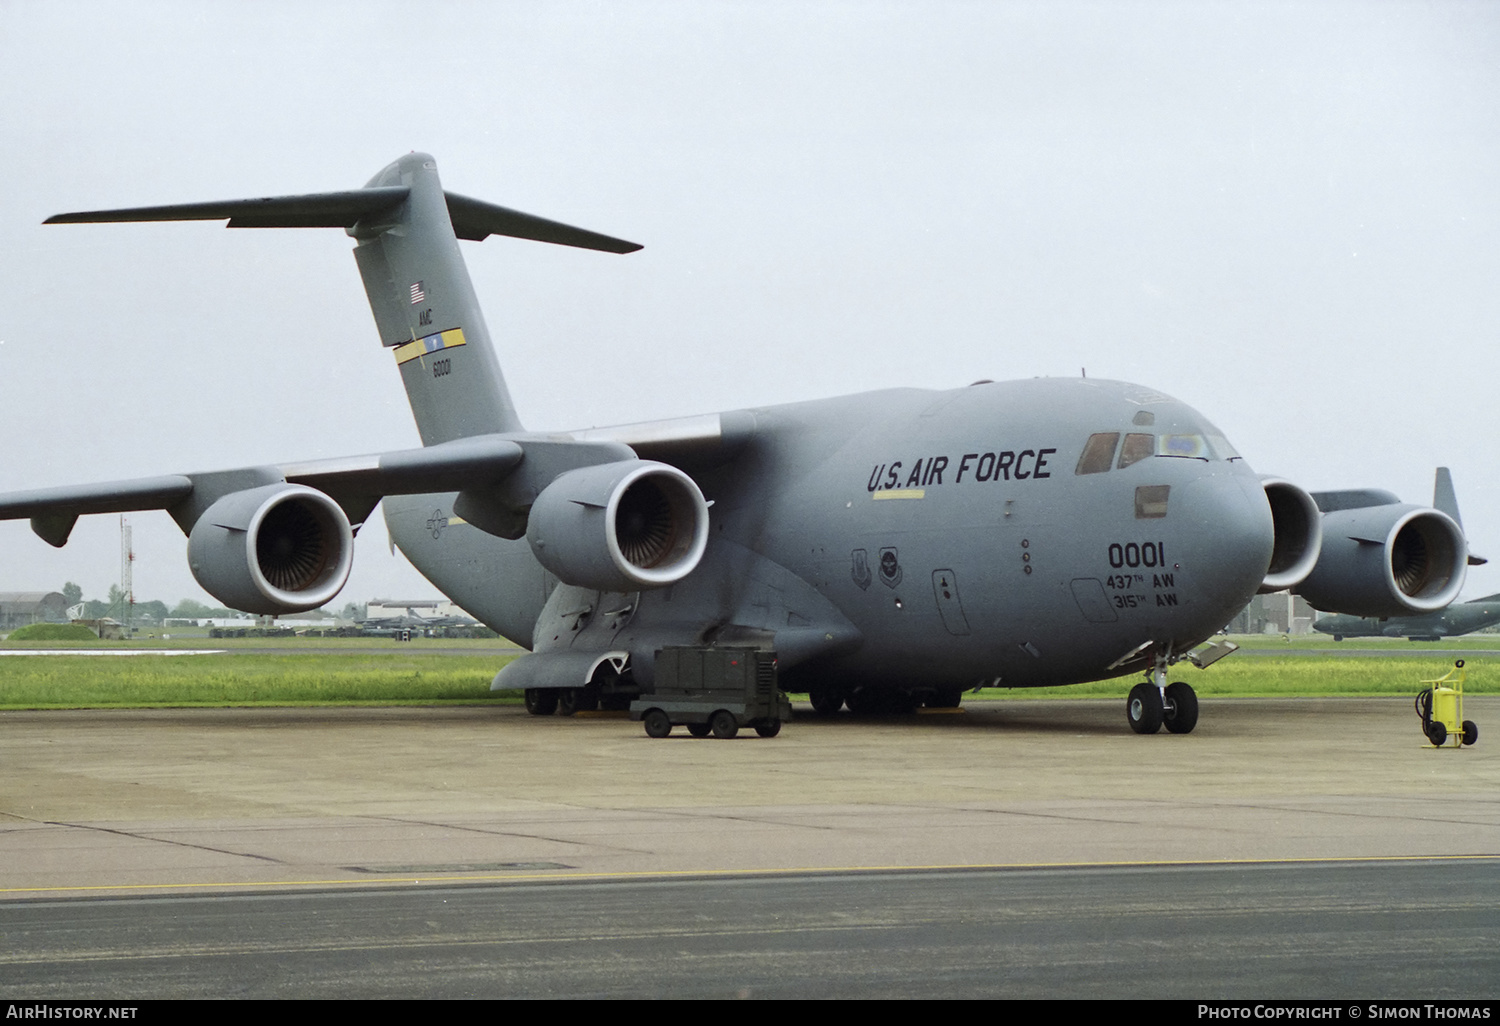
<point>1180,708</point>
<point>1144,708</point>
<point>1153,704</point>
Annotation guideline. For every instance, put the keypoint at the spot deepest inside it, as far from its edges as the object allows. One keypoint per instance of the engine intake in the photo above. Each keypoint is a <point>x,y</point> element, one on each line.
<point>280,548</point>
<point>1299,535</point>
<point>1387,560</point>
<point>620,526</point>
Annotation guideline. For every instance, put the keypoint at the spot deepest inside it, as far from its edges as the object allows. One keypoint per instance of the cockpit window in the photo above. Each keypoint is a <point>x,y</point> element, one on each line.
<point>1136,448</point>
<point>1098,453</point>
<point>1221,447</point>
<point>1186,446</point>
<point>1191,445</point>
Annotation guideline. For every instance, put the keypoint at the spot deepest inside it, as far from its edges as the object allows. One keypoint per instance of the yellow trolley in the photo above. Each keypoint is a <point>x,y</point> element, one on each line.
<point>1441,706</point>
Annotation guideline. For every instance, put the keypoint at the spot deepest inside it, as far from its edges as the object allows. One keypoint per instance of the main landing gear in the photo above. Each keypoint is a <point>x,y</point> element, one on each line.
<point>1153,704</point>
<point>568,701</point>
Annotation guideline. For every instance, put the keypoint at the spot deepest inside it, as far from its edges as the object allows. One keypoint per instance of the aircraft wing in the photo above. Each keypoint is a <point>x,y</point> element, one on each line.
<point>356,483</point>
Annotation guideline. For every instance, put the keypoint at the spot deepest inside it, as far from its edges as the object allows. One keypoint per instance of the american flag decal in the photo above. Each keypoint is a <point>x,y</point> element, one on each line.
<point>417,295</point>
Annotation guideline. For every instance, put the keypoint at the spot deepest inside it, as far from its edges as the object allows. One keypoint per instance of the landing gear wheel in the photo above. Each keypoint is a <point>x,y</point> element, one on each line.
<point>699,729</point>
<point>1437,733</point>
<point>657,723</point>
<point>768,729</point>
<point>723,724</point>
<point>568,701</point>
<point>541,701</point>
<point>1181,712</point>
<point>1144,709</point>
<point>1471,732</point>
<point>825,702</point>
<point>945,698</point>
<point>903,703</point>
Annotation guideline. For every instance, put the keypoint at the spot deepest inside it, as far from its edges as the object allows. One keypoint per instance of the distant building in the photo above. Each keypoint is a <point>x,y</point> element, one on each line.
<point>427,609</point>
<point>22,608</point>
<point>1277,613</point>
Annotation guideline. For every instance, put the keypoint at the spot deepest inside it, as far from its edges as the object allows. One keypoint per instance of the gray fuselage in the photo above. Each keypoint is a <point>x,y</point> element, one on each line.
<point>944,539</point>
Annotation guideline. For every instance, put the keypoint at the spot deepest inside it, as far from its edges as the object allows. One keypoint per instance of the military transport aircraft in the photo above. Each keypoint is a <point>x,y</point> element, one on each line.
<point>893,548</point>
<point>1463,618</point>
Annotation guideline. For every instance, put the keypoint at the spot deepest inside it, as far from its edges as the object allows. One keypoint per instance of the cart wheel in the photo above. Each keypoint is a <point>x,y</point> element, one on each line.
<point>1437,733</point>
<point>1143,708</point>
<point>1471,732</point>
<point>770,728</point>
<point>723,724</point>
<point>658,723</point>
<point>699,729</point>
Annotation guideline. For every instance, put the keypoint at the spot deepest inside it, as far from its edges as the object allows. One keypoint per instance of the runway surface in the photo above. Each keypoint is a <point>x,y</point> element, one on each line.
<point>199,818</point>
<point>1326,932</point>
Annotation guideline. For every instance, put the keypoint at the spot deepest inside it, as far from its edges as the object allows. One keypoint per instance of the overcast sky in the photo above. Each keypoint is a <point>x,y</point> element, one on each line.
<point>1284,215</point>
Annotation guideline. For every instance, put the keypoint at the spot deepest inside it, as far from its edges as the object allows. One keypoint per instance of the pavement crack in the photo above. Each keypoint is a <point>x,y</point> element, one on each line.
<point>164,840</point>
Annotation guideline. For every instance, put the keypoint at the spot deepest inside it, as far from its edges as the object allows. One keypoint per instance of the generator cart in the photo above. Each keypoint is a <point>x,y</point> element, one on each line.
<point>713,691</point>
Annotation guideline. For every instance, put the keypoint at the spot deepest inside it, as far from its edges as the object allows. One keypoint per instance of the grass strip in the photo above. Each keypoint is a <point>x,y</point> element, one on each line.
<point>233,679</point>
<point>409,676</point>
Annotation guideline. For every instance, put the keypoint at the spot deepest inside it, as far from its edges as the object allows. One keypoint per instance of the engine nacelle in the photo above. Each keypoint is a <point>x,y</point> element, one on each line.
<point>279,548</point>
<point>620,526</point>
<point>1299,535</point>
<point>1387,560</point>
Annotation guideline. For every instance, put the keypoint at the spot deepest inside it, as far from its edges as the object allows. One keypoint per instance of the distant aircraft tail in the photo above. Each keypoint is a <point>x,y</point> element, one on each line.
<point>407,229</point>
<point>1445,500</point>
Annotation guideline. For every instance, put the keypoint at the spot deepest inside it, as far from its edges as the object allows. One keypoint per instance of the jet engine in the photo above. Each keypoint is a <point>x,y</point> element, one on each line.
<point>279,548</point>
<point>1299,535</point>
<point>1387,560</point>
<point>620,526</point>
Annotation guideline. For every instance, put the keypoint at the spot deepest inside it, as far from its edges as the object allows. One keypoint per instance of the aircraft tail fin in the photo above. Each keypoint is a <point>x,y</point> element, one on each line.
<point>407,229</point>
<point>1444,499</point>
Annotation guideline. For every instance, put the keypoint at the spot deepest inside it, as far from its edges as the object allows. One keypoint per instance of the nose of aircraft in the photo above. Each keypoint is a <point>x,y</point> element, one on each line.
<point>1223,537</point>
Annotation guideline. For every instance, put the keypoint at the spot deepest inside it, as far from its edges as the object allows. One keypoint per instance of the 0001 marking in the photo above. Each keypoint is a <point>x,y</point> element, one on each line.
<point>1132,554</point>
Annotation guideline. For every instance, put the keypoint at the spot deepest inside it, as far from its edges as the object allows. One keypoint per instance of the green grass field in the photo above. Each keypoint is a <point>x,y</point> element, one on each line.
<point>358,677</point>
<point>271,672</point>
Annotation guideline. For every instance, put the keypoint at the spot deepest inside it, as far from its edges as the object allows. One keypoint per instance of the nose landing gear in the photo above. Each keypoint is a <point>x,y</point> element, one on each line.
<point>1154,703</point>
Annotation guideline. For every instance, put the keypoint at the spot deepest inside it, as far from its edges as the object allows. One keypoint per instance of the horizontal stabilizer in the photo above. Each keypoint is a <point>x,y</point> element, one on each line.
<point>472,219</point>
<point>316,210</point>
<point>476,220</point>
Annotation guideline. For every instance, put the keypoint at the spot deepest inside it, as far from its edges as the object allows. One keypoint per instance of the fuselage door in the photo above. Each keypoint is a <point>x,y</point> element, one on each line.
<point>1088,592</point>
<point>945,589</point>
